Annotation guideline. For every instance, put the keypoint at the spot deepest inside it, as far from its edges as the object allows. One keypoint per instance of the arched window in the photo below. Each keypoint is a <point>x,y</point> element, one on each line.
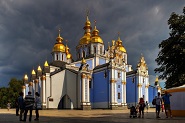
<point>56,56</point>
<point>89,50</point>
<point>94,49</point>
<point>100,49</point>
<point>78,55</point>
<point>83,54</point>
<point>62,57</point>
<point>119,95</point>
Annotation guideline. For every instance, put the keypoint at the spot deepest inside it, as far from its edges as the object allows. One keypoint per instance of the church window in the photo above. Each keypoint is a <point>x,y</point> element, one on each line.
<point>119,74</point>
<point>119,95</point>
<point>100,49</point>
<point>83,54</point>
<point>57,56</point>
<point>143,80</point>
<point>62,57</point>
<point>118,86</point>
<point>94,49</point>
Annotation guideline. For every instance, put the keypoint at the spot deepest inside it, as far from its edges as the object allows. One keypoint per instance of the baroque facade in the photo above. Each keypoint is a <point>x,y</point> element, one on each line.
<point>98,78</point>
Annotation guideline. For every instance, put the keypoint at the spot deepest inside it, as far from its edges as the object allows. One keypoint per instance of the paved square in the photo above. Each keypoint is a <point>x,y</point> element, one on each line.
<point>91,116</point>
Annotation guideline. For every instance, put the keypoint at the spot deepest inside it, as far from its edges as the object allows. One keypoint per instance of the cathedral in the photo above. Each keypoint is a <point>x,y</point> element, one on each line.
<point>99,77</point>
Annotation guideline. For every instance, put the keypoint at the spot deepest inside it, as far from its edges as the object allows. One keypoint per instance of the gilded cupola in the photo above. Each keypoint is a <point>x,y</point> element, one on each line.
<point>46,64</point>
<point>87,35</point>
<point>59,47</point>
<point>95,38</point>
<point>68,54</point>
<point>33,72</point>
<point>119,45</point>
<point>142,63</point>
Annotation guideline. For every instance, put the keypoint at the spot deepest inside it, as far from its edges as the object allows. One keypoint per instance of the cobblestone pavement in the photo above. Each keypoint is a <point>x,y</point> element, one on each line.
<point>91,116</point>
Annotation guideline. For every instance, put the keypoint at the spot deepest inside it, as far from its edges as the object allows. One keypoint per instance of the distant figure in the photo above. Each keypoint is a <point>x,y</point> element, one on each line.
<point>141,107</point>
<point>8,106</point>
<point>158,104</point>
<point>147,105</point>
<point>38,105</point>
<point>29,102</point>
<point>17,106</point>
<point>21,105</point>
<point>166,99</point>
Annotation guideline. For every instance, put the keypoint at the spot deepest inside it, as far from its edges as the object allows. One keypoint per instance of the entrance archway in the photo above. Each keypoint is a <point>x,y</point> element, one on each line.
<point>65,103</point>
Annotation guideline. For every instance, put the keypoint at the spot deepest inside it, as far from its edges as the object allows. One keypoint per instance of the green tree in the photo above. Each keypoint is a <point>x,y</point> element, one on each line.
<point>171,58</point>
<point>10,93</point>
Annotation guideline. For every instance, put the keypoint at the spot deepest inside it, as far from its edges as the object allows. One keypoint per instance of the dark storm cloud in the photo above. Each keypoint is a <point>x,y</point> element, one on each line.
<point>28,29</point>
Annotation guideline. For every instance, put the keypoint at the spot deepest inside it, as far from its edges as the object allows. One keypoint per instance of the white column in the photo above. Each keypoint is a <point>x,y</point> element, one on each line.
<point>122,94</point>
<point>24,90</point>
<point>43,89</point>
<point>146,93</point>
<point>36,85</point>
<point>88,97</point>
<point>115,90</point>
<point>112,91</point>
<point>83,88</point>
<point>124,101</point>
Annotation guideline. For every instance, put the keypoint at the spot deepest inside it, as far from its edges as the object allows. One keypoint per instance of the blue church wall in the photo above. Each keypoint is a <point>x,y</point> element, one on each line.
<point>131,90</point>
<point>102,61</point>
<point>100,89</point>
<point>89,62</point>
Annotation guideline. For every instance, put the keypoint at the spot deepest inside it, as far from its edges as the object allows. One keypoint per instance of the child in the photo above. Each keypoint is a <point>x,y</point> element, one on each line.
<point>141,107</point>
<point>147,105</point>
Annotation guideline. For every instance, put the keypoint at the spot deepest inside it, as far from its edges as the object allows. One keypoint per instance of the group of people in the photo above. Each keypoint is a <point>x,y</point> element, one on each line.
<point>28,104</point>
<point>159,101</point>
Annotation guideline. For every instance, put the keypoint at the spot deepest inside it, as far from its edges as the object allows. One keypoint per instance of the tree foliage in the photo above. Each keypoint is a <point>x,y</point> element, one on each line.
<point>10,93</point>
<point>171,58</point>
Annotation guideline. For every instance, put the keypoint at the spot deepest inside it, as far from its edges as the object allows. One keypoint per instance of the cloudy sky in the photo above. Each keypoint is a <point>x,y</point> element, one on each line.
<point>28,29</point>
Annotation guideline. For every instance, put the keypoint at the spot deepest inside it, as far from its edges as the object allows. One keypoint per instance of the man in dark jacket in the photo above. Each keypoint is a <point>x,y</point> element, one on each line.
<point>29,102</point>
<point>21,105</point>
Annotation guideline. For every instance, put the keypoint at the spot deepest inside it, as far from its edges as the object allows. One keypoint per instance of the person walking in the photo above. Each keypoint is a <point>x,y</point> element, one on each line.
<point>141,107</point>
<point>38,105</point>
<point>29,102</point>
<point>21,105</point>
<point>158,104</point>
<point>167,108</point>
<point>8,106</point>
<point>147,105</point>
<point>17,105</point>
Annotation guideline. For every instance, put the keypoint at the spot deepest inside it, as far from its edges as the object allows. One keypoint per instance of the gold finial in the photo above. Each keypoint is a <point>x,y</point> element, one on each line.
<point>59,32</point>
<point>46,64</point>
<point>108,45</point>
<point>119,39</point>
<point>87,12</point>
<point>39,68</point>
<point>113,41</point>
<point>156,79</point>
<point>25,77</point>
<point>94,24</point>
<point>59,39</point>
<point>33,72</point>
<point>83,61</point>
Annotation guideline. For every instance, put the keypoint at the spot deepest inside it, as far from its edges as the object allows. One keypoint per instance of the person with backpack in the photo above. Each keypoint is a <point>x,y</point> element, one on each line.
<point>158,103</point>
<point>166,99</point>
<point>141,107</point>
<point>29,102</point>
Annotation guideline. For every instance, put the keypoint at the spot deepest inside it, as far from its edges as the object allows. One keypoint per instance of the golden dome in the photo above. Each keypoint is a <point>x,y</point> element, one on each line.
<point>156,79</point>
<point>33,72</point>
<point>120,46</point>
<point>95,36</point>
<point>59,47</point>
<point>46,64</point>
<point>25,77</point>
<point>39,68</point>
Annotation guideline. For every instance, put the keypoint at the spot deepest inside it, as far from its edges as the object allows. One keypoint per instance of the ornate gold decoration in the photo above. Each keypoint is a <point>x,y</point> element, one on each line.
<point>112,81</point>
<point>83,76</point>
<point>33,72</point>
<point>36,81</point>
<point>119,45</point>
<point>30,83</point>
<point>139,85</point>
<point>43,78</point>
<point>83,61</point>
<point>123,82</point>
<point>68,55</point>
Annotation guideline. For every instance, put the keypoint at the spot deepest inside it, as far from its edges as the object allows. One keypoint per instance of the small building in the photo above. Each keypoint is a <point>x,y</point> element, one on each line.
<point>177,100</point>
